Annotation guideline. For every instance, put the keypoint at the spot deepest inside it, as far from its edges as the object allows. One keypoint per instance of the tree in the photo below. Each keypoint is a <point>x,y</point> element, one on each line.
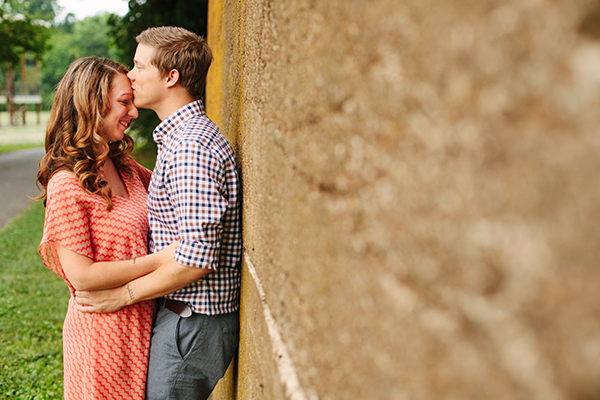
<point>21,37</point>
<point>142,14</point>
<point>20,34</point>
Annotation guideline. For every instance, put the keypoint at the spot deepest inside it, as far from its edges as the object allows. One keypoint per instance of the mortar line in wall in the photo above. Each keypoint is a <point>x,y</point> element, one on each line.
<point>285,365</point>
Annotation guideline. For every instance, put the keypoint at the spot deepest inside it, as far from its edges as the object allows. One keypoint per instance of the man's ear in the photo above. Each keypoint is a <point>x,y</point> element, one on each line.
<point>172,78</point>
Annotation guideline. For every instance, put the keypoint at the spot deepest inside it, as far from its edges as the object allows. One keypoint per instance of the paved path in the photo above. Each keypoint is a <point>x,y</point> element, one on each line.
<point>18,173</point>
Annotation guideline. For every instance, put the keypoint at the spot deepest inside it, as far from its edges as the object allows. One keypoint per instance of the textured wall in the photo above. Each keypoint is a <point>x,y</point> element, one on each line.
<point>421,196</point>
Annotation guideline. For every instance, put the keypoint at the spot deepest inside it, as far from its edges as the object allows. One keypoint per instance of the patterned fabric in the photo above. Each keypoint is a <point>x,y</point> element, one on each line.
<point>193,198</point>
<point>105,355</point>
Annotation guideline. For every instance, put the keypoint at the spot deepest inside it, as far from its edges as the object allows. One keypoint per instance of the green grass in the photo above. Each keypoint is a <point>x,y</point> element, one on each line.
<point>22,136</point>
<point>5,148</point>
<point>33,305</point>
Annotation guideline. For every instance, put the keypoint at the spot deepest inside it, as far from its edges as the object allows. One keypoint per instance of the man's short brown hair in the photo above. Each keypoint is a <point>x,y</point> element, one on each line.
<point>180,49</point>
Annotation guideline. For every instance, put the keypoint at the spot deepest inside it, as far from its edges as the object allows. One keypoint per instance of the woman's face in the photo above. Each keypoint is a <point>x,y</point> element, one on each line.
<point>121,110</point>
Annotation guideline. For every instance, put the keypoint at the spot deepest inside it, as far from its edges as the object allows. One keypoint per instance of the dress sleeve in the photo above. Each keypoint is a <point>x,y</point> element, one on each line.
<point>67,222</point>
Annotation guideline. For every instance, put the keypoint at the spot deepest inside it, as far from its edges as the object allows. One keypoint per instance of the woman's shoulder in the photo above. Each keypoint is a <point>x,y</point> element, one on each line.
<point>142,172</point>
<point>64,182</point>
<point>136,166</point>
<point>63,176</point>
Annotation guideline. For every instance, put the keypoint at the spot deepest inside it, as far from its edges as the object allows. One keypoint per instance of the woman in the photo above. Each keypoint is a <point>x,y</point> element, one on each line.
<point>95,196</point>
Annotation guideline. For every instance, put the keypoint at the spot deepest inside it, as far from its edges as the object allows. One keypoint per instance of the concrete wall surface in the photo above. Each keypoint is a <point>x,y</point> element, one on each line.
<point>421,187</point>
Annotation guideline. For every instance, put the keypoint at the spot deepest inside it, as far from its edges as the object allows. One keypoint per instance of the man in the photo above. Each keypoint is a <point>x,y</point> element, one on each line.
<point>192,199</point>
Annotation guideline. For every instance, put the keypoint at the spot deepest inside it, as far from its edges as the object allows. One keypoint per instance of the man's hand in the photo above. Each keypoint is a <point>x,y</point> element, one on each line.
<point>104,301</point>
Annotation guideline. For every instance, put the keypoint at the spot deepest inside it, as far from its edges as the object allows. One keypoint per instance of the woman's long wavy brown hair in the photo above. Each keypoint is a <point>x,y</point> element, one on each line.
<point>73,140</point>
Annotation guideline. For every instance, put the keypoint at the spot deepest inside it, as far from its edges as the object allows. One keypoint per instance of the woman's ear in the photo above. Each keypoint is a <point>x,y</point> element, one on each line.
<point>172,77</point>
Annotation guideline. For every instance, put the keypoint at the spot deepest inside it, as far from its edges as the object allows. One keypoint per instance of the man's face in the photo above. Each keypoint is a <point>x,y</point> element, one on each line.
<point>146,82</point>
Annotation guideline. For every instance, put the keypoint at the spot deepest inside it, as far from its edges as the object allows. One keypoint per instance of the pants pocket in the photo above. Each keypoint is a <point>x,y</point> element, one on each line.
<point>189,335</point>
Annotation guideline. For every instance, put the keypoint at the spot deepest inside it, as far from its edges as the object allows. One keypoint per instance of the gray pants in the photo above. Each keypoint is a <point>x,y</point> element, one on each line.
<point>188,356</point>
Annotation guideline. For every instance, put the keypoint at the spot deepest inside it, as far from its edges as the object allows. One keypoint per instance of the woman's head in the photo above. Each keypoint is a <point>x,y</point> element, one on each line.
<point>121,110</point>
<point>82,102</point>
<point>91,110</point>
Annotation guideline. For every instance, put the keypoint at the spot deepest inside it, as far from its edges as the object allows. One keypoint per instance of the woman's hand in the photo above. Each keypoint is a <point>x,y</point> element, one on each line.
<point>101,301</point>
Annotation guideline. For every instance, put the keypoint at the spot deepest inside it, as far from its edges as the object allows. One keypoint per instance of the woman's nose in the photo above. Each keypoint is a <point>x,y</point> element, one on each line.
<point>134,112</point>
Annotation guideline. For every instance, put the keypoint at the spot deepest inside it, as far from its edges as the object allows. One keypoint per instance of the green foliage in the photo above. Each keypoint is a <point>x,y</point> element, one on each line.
<point>72,40</point>
<point>145,154</point>
<point>143,14</point>
<point>19,35</point>
<point>36,9</point>
<point>32,310</point>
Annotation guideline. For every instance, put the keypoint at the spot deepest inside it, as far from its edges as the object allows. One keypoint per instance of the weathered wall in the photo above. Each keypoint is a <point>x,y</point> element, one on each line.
<point>421,196</point>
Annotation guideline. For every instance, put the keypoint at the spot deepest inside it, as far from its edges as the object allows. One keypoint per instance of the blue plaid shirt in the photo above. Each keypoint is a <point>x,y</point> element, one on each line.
<point>193,198</point>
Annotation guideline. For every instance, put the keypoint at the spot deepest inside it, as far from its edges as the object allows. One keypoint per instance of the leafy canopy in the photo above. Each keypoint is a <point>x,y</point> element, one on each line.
<point>24,28</point>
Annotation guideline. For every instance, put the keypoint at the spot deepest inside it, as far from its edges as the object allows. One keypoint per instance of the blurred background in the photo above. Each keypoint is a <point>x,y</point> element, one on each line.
<point>40,38</point>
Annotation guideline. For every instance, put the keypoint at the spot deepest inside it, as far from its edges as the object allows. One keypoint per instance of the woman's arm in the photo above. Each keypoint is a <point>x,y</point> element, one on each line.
<point>84,274</point>
<point>170,277</point>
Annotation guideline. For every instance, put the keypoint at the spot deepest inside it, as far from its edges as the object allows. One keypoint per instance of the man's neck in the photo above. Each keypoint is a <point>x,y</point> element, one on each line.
<point>172,104</point>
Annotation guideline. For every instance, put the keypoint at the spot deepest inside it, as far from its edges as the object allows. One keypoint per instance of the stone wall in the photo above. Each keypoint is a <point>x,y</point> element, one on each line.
<point>421,186</point>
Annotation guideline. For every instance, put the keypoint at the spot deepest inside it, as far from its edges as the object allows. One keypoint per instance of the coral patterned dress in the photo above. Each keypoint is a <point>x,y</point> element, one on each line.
<point>105,355</point>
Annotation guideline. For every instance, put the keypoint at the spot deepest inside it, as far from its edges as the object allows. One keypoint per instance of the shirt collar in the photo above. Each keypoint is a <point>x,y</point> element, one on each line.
<point>176,119</point>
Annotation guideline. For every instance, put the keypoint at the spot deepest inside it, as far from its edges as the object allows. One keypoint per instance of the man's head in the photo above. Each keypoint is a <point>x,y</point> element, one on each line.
<point>180,49</point>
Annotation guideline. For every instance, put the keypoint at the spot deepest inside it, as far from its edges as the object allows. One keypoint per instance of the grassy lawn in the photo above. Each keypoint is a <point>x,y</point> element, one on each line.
<point>22,136</point>
<point>5,148</point>
<point>32,310</point>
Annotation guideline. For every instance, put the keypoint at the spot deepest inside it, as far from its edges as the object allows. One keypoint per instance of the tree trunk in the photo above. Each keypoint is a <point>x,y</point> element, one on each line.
<point>10,86</point>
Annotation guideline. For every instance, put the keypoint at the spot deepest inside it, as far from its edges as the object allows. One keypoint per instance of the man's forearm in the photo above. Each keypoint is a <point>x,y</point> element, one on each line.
<point>168,278</point>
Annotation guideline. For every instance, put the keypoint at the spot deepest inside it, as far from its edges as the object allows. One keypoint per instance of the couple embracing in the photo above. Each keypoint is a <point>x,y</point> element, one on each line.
<point>151,258</point>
